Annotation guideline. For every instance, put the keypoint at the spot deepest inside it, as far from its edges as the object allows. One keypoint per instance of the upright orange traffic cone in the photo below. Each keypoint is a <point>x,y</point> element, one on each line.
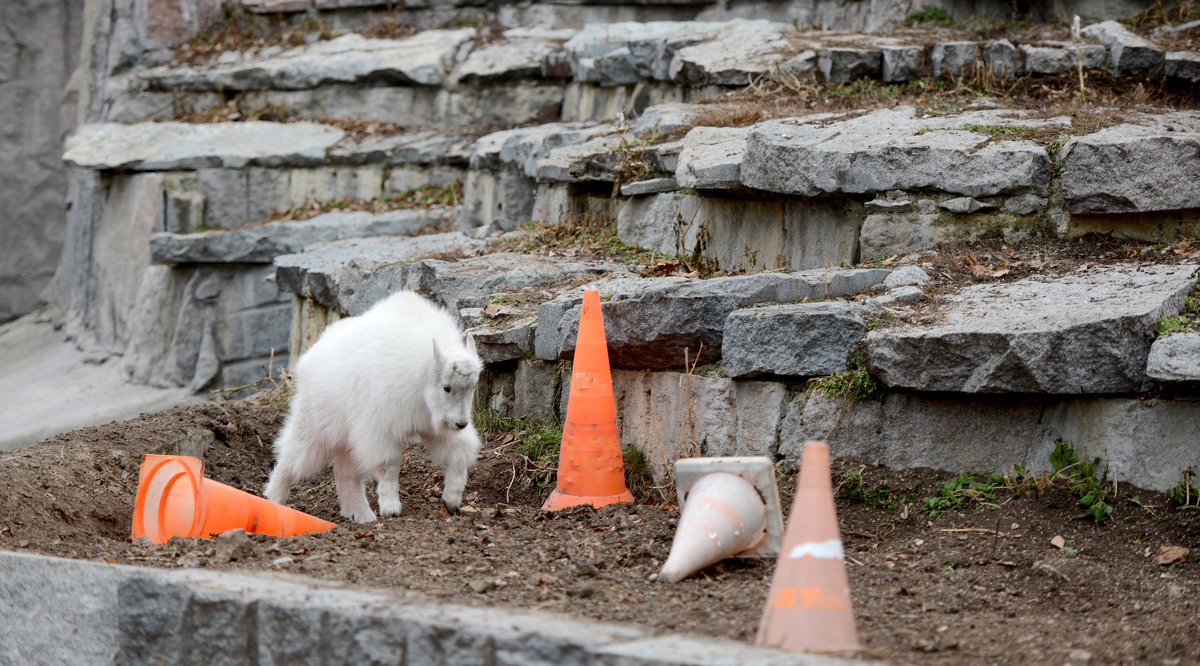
<point>590,469</point>
<point>808,607</point>
<point>174,499</point>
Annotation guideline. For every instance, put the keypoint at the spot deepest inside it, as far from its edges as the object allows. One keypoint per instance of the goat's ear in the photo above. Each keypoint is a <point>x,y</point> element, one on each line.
<point>437,354</point>
<point>469,341</point>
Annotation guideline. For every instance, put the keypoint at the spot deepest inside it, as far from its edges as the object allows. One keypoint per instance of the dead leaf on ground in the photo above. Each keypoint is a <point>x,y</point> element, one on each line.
<point>1058,542</point>
<point>1168,554</point>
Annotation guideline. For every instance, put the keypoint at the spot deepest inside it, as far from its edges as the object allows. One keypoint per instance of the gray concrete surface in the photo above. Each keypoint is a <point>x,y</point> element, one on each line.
<point>49,386</point>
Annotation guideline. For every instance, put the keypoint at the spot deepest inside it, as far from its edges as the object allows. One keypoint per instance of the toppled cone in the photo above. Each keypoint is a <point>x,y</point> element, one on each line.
<point>808,606</point>
<point>730,508</point>
<point>590,468</point>
<point>174,499</point>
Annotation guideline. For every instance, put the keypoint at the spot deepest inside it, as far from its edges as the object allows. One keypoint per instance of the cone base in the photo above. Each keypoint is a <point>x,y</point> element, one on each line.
<point>560,500</point>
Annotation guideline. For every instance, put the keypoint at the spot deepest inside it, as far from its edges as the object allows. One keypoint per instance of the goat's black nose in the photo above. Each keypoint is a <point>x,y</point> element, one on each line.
<point>461,424</point>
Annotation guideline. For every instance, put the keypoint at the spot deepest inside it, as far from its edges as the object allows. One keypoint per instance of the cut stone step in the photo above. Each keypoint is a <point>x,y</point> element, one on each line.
<point>795,340</point>
<point>649,323</point>
<point>893,149</point>
<point>350,276</point>
<point>422,59</point>
<point>171,146</point>
<point>738,53</point>
<point>1129,53</point>
<point>1175,358</point>
<point>262,243</point>
<point>1086,333</point>
<point>1143,441</point>
<point>1150,163</point>
<point>329,272</point>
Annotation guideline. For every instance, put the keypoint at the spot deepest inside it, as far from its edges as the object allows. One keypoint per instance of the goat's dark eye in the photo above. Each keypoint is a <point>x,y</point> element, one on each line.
<point>446,389</point>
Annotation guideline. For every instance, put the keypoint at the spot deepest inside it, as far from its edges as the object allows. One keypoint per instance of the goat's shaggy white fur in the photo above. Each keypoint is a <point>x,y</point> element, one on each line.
<point>400,371</point>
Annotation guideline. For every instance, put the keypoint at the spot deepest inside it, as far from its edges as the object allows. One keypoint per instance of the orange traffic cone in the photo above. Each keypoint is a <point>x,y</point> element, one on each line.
<point>808,606</point>
<point>590,469</point>
<point>174,499</point>
<point>730,508</point>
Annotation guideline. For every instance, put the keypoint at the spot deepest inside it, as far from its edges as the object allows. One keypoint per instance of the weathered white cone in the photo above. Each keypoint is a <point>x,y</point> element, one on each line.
<point>724,514</point>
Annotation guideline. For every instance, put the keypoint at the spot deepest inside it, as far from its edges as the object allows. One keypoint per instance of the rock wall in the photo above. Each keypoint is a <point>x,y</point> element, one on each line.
<point>39,47</point>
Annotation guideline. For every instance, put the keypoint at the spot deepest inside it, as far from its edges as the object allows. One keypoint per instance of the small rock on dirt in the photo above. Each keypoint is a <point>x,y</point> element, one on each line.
<point>1168,554</point>
<point>481,585</point>
<point>233,545</point>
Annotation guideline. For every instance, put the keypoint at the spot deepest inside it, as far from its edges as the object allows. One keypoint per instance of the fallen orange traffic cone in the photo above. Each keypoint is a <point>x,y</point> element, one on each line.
<point>174,499</point>
<point>808,606</point>
<point>730,508</point>
<point>590,469</point>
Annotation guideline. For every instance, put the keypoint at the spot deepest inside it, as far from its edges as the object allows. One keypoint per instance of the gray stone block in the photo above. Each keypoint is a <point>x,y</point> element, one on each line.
<point>56,611</point>
<point>950,58</point>
<point>901,63</point>
<point>168,146</point>
<point>711,158</point>
<point>1129,52</point>
<point>847,64</point>
<point>412,147</point>
<point>650,186</point>
<point>506,341</point>
<point>965,205</point>
<point>1062,58</point>
<point>1004,59</point>
<point>623,53</point>
<point>651,322</point>
<point>261,244</point>
<point>1175,358</point>
<point>1024,204</point>
<point>366,639</point>
<point>1019,338</point>
<point>257,333</point>
<point>905,276</point>
<point>536,390</point>
<point>1145,442</point>
<point>740,51</point>
<point>798,340</point>
<point>151,620</point>
<point>885,234</point>
<point>423,59</point>
<point>286,635</point>
<point>1182,65</point>
<point>892,149</point>
<point>133,615</point>
<point>510,59</point>
<point>1134,167</point>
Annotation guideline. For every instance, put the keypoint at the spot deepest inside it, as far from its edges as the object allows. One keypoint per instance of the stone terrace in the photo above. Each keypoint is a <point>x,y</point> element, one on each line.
<point>612,125</point>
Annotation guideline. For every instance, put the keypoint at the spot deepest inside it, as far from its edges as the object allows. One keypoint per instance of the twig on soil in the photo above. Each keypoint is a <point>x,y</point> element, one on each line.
<point>508,491</point>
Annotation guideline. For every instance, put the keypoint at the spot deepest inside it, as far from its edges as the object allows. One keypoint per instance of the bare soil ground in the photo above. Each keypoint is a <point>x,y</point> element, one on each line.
<point>973,585</point>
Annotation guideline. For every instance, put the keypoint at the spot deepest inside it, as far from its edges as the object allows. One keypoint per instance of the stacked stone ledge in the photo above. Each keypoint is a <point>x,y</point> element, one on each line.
<point>798,194</point>
<point>455,77</point>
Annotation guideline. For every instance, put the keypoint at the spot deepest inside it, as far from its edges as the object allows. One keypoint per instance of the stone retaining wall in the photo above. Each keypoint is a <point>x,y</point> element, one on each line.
<point>70,611</point>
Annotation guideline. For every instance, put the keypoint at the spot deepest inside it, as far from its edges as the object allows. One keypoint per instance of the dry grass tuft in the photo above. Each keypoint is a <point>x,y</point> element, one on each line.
<point>239,30</point>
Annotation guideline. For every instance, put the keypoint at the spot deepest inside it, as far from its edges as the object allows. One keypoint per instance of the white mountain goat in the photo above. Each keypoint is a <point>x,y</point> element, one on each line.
<point>401,371</point>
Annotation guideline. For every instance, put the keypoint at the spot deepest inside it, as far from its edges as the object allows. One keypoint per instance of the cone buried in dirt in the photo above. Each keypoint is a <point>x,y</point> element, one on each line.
<point>590,469</point>
<point>730,509</point>
<point>174,499</point>
<point>808,607</point>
